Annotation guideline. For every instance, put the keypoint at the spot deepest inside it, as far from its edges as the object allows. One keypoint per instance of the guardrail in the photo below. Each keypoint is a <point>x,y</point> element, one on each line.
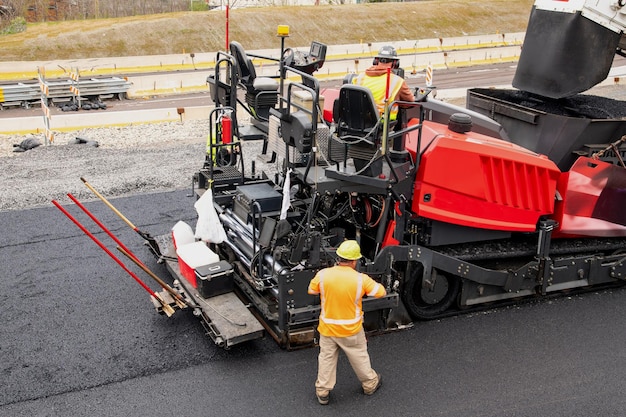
<point>25,93</point>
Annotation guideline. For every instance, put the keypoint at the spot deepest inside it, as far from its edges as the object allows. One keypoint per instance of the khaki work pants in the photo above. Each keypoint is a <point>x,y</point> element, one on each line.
<point>355,348</point>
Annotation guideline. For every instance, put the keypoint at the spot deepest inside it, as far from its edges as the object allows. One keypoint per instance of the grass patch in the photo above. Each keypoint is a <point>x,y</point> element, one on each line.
<point>255,28</point>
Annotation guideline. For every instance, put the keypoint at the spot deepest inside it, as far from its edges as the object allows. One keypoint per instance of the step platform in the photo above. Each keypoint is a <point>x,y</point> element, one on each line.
<point>225,317</point>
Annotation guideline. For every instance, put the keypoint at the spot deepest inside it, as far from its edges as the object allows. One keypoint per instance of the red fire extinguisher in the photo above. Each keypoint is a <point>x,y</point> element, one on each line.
<point>227,132</point>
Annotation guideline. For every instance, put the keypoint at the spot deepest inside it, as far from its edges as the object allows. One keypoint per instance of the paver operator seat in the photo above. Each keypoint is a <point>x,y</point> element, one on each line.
<point>358,123</point>
<point>261,92</point>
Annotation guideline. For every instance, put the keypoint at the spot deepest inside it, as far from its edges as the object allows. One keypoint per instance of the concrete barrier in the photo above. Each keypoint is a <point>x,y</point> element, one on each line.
<point>335,68</point>
<point>340,60</point>
<point>25,70</point>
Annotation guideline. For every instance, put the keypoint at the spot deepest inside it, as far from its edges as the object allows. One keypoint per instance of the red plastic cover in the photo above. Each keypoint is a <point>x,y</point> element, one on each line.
<point>594,197</point>
<point>478,181</point>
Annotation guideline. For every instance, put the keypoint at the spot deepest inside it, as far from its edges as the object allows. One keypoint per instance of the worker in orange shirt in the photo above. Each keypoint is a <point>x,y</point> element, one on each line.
<point>375,79</point>
<point>341,289</point>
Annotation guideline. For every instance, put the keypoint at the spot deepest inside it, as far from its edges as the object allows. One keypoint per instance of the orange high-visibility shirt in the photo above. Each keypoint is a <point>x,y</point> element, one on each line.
<point>341,290</point>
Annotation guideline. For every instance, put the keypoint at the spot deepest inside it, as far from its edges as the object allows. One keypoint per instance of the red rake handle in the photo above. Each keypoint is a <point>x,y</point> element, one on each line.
<point>104,248</point>
<point>387,84</point>
<point>101,225</point>
<point>126,251</point>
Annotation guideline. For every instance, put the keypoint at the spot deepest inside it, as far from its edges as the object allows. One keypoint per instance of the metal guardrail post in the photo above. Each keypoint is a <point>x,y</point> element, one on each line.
<point>74,87</point>
<point>43,85</point>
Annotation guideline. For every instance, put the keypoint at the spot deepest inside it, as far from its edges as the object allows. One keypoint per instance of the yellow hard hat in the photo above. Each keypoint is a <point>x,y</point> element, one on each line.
<point>349,250</point>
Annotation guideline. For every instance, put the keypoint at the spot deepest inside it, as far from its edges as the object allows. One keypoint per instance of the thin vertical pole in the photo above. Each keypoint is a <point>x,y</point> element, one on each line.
<point>227,12</point>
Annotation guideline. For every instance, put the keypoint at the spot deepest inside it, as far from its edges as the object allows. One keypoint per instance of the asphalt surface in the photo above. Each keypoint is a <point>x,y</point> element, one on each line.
<point>80,338</point>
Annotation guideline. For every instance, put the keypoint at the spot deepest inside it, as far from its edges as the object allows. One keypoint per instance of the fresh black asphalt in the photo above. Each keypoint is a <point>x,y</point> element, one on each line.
<point>80,338</point>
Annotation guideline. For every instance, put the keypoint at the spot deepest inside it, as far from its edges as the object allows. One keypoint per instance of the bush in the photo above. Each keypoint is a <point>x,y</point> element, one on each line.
<point>199,6</point>
<point>16,25</point>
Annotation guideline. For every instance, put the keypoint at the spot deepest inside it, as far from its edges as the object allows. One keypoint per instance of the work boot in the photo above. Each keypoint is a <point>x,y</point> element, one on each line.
<point>323,399</point>
<point>378,384</point>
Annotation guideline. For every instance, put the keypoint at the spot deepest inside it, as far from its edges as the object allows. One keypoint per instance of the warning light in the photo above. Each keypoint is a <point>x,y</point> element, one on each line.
<point>283,30</point>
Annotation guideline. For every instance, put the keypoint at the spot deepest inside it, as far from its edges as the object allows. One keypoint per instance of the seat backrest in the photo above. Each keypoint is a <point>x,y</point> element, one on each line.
<point>355,111</point>
<point>245,68</point>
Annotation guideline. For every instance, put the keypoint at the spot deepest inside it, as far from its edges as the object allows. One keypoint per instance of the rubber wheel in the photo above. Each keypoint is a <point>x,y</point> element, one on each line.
<point>427,304</point>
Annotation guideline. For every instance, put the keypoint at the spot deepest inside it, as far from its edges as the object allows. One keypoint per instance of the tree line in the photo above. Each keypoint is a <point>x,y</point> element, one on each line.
<point>51,10</point>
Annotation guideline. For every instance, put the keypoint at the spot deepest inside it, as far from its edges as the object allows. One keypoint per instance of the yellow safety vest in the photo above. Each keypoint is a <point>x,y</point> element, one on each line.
<point>377,86</point>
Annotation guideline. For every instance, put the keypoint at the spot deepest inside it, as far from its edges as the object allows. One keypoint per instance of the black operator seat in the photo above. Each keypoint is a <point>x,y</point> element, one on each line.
<point>261,92</point>
<point>356,115</point>
<point>359,128</point>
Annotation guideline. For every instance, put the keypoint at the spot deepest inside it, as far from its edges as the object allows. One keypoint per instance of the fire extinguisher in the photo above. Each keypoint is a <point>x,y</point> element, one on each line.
<point>227,128</point>
<point>227,155</point>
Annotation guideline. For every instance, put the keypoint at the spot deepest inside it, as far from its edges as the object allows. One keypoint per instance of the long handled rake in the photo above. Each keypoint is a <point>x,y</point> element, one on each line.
<point>167,309</point>
<point>180,301</point>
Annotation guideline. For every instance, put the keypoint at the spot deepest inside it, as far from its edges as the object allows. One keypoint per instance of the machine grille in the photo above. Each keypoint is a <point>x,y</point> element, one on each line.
<point>517,184</point>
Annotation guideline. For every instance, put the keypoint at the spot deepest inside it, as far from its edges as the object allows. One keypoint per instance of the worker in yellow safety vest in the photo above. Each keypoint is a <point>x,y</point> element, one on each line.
<point>375,79</point>
<point>341,289</point>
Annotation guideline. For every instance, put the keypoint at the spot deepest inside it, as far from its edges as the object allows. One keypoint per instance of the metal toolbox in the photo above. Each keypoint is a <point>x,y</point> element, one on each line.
<point>214,279</point>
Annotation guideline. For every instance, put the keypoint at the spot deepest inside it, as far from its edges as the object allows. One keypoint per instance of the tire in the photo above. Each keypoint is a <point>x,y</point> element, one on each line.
<point>425,304</point>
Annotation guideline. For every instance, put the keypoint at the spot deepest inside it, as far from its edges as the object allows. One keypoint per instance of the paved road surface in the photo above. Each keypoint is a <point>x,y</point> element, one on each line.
<point>80,338</point>
<point>488,75</point>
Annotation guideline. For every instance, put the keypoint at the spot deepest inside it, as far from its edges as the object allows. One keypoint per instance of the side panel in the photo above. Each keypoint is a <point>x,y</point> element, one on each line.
<point>594,197</point>
<point>478,181</point>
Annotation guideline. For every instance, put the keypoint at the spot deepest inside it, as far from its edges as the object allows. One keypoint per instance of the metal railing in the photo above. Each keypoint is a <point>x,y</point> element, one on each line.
<point>26,93</point>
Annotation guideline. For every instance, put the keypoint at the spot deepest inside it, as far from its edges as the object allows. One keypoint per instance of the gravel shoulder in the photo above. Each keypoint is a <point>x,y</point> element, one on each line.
<point>128,160</point>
